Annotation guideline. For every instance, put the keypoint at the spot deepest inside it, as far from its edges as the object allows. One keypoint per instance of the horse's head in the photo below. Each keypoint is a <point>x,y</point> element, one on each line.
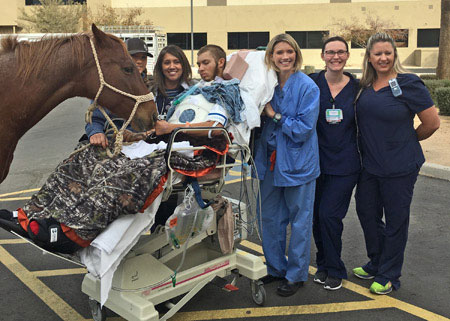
<point>120,72</point>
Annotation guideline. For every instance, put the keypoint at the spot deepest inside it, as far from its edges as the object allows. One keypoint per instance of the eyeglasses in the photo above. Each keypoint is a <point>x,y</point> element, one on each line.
<point>331,53</point>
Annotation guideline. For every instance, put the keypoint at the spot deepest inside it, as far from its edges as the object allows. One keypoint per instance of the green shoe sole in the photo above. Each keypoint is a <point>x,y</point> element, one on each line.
<point>377,288</point>
<point>360,273</point>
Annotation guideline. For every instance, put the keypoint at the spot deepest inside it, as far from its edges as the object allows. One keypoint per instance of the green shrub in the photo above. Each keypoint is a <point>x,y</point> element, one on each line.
<point>309,69</point>
<point>432,85</point>
<point>428,76</point>
<point>443,100</point>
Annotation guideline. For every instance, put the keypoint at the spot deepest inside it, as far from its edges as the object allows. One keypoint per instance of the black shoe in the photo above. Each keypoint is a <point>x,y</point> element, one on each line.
<point>6,215</point>
<point>332,283</point>
<point>9,223</point>
<point>270,279</point>
<point>320,277</point>
<point>288,288</point>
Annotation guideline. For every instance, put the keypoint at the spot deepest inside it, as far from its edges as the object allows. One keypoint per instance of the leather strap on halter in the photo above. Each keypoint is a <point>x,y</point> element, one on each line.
<point>94,105</point>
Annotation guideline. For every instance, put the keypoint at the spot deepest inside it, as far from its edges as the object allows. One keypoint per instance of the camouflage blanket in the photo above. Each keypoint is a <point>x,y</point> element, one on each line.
<point>89,190</point>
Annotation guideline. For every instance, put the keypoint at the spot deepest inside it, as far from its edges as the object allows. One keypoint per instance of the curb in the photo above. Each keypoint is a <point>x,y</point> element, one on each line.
<point>435,171</point>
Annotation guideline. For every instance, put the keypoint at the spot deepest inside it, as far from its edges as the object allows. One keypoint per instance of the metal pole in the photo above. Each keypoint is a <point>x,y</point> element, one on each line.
<point>192,33</point>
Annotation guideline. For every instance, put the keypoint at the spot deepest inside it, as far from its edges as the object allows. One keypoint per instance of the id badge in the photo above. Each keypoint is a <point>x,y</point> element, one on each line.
<point>334,116</point>
<point>395,87</point>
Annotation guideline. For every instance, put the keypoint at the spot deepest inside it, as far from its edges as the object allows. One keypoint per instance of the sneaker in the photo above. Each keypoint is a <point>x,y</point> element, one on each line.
<point>332,283</point>
<point>271,278</point>
<point>360,273</point>
<point>377,288</point>
<point>320,277</point>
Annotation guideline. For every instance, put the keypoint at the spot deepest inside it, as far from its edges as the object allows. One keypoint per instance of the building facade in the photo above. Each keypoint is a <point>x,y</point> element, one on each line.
<point>247,24</point>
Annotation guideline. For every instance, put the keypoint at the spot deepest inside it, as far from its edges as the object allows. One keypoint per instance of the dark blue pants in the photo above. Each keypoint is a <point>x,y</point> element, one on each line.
<point>333,194</point>
<point>385,241</point>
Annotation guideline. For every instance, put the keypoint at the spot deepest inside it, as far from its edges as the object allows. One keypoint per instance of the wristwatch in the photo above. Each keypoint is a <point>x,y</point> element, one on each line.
<point>277,117</point>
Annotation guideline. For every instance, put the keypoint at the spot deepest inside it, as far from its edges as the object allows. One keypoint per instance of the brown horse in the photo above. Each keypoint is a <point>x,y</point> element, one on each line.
<point>37,76</point>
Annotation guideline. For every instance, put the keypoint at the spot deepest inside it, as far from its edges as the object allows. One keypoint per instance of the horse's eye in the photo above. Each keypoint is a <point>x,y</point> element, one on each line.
<point>128,70</point>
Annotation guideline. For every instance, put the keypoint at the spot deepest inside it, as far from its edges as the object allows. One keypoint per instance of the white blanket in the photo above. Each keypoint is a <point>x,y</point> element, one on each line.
<point>105,253</point>
<point>257,87</point>
<point>141,148</point>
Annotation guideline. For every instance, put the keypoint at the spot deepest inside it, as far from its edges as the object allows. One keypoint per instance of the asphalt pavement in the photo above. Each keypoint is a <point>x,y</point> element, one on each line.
<point>43,287</point>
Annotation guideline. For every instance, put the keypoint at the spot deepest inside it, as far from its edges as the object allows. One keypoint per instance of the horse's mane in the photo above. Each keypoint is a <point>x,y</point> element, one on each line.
<point>34,56</point>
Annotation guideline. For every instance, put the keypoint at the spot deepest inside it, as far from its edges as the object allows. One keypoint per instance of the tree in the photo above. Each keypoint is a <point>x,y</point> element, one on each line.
<point>443,67</point>
<point>359,32</point>
<point>53,16</point>
<point>108,16</point>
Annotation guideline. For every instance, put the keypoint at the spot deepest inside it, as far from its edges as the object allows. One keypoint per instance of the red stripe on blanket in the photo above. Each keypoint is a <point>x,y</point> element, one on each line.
<point>23,219</point>
<point>154,194</point>
<point>69,232</point>
<point>73,236</point>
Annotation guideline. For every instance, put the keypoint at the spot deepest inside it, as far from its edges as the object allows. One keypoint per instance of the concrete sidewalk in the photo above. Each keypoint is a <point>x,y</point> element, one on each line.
<point>437,151</point>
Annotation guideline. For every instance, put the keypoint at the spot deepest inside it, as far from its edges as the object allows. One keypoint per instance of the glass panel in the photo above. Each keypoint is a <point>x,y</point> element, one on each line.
<point>257,39</point>
<point>427,38</point>
<point>178,39</point>
<point>315,39</point>
<point>299,36</point>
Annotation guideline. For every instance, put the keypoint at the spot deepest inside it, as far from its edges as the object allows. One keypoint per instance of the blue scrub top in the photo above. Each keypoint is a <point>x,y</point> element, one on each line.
<point>338,150</point>
<point>389,143</point>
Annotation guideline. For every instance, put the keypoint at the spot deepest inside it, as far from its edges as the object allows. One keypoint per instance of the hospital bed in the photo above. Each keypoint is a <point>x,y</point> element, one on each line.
<point>154,271</point>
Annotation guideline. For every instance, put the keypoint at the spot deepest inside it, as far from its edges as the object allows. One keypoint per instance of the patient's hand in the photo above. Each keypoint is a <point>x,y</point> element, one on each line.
<point>99,139</point>
<point>129,136</point>
<point>162,127</point>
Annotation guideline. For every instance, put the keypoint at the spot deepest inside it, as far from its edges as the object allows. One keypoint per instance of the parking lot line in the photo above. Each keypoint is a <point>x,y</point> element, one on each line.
<point>50,298</point>
<point>385,301</point>
<point>280,310</point>
<point>58,272</point>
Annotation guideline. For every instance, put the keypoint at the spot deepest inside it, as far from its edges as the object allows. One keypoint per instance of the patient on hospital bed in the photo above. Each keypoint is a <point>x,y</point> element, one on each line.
<point>88,190</point>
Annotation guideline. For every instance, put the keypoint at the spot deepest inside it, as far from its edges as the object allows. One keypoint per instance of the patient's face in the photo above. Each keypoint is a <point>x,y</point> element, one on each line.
<point>207,66</point>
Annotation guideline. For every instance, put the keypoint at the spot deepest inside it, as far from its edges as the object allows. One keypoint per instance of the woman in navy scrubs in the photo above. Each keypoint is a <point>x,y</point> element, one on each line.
<point>339,161</point>
<point>391,157</point>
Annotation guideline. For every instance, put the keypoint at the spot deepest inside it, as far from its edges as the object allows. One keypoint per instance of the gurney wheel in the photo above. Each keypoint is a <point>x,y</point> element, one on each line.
<point>98,313</point>
<point>258,292</point>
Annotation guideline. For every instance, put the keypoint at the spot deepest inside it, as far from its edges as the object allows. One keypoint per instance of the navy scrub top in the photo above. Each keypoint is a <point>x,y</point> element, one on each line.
<point>389,143</point>
<point>338,151</point>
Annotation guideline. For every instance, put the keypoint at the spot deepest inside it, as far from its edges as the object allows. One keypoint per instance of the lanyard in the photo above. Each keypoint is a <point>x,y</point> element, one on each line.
<point>332,103</point>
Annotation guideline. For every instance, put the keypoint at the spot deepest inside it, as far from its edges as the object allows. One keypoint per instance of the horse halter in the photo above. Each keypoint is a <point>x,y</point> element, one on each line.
<point>88,116</point>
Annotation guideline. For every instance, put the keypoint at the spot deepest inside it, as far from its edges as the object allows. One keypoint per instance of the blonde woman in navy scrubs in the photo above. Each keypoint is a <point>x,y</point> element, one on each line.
<point>391,158</point>
<point>339,161</point>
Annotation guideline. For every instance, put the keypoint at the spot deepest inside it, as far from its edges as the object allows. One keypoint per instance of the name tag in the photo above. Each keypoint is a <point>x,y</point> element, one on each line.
<point>334,116</point>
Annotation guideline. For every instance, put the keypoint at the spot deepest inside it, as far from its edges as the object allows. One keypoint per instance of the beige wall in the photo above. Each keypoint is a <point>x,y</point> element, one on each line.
<point>273,16</point>
<point>216,21</point>
<point>9,11</point>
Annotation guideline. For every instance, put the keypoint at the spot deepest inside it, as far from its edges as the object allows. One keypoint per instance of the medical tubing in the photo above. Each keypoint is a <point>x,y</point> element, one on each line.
<point>171,277</point>
<point>183,96</point>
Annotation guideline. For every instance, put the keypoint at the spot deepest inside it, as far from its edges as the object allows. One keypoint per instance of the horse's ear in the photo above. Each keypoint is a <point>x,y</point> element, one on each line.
<point>98,34</point>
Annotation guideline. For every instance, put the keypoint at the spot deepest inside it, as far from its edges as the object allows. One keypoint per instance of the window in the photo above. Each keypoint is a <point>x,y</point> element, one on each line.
<point>183,40</point>
<point>247,40</point>
<point>37,2</point>
<point>400,36</point>
<point>309,39</point>
<point>427,38</point>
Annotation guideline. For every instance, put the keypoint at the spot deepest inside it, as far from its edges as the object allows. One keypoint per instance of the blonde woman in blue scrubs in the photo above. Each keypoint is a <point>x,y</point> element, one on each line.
<point>287,160</point>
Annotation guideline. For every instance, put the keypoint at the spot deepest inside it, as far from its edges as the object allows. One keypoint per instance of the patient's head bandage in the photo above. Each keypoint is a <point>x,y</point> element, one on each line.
<point>193,109</point>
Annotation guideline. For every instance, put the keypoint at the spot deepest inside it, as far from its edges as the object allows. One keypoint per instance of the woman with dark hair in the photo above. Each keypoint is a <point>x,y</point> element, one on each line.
<point>391,157</point>
<point>172,75</point>
<point>339,161</point>
<point>287,161</point>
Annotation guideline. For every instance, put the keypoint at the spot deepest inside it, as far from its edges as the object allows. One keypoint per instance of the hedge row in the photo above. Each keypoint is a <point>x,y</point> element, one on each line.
<point>428,76</point>
<point>443,100</point>
<point>432,85</point>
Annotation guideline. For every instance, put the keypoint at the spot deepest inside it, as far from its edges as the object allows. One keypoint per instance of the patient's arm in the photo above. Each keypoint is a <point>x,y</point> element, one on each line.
<point>162,127</point>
